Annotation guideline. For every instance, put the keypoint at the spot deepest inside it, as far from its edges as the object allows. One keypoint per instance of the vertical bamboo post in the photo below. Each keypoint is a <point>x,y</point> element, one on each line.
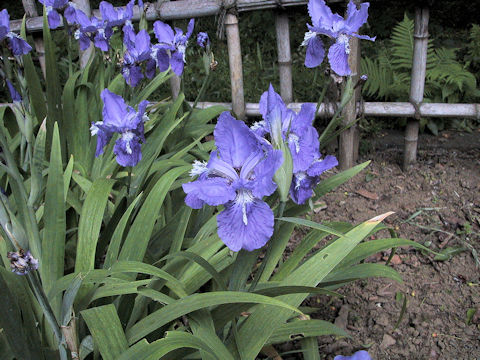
<point>84,5</point>
<point>235,62</point>
<point>31,11</point>
<point>175,85</point>
<point>284,56</point>
<point>417,84</point>
<point>347,140</point>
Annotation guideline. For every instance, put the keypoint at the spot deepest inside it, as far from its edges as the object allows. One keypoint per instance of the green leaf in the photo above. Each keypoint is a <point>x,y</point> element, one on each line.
<point>36,166</point>
<point>69,298</point>
<point>255,331</point>
<point>67,176</point>
<point>306,245</point>
<point>204,264</point>
<point>203,327</point>
<point>106,330</point>
<point>90,223</point>
<point>155,141</point>
<point>36,95</point>
<point>119,287</point>
<point>448,252</point>
<point>139,235</point>
<point>153,85</point>
<point>310,348</point>
<point>196,302</point>
<point>11,320</point>
<point>138,267</point>
<point>313,225</point>
<point>364,250</point>
<point>360,271</point>
<point>173,340</point>
<point>276,249</point>
<point>299,329</point>
<point>116,240</point>
<point>53,244</point>
<point>53,89</point>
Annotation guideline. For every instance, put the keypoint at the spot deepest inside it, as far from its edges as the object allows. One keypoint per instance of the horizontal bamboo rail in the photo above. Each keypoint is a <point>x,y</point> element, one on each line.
<point>373,109</point>
<point>175,10</point>
<point>376,109</point>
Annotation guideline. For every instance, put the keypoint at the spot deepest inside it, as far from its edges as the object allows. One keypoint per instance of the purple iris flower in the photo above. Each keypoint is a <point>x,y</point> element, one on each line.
<point>52,15</point>
<point>116,16</point>
<point>359,355</point>
<point>120,118</point>
<point>171,46</point>
<point>91,30</point>
<point>13,92</point>
<point>203,40</point>
<point>22,262</point>
<point>138,51</point>
<point>15,42</point>
<point>238,175</point>
<point>297,132</point>
<point>336,27</point>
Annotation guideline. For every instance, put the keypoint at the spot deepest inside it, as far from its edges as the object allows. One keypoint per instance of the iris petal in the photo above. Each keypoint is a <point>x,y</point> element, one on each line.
<point>356,17</point>
<point>251,234</point>
<point>213,191</point>
<point>114,109</point>
<point>234,140</point>
<point>320,166</point>
<point>315,52</point>
<point>338,58</point>
<point>320,13</point>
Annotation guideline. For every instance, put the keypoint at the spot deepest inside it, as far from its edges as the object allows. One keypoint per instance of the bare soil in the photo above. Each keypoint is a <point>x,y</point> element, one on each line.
<point>444,186</point>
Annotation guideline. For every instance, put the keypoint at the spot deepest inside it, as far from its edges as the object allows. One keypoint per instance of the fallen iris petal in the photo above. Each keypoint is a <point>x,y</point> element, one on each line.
<point>359,355</point>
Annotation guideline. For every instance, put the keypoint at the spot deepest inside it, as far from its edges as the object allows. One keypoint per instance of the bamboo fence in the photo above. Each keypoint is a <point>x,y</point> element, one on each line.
<point>348,142</point>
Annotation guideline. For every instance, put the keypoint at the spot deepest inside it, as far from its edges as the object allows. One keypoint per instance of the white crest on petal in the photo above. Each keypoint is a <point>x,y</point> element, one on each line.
<point>76,34</point>
<point>127,137</point>
<point>308,35</point>
<point>199,167</point>
<point>258,125</point>
<point>343,39</point>
<point>295,140</point>
<point>181,49</point>
<point>299,177</point>
<point>244,197</point>
<point>94,128</point>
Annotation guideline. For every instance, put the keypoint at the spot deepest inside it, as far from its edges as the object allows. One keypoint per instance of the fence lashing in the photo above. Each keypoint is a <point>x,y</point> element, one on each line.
<point>417,84</point>
<point>31,11</point>
<point>284,56</point>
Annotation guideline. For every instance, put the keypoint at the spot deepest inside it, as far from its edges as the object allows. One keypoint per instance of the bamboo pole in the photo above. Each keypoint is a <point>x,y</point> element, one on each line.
<point>174,10</point>
<point>373,109</point>
<point>284,56</point>
<point>235,62</point>
<point>348,146</point>
<point>31,11</point>
<point>175,83</point>
<point>84,5</point>
<point>417,84</point>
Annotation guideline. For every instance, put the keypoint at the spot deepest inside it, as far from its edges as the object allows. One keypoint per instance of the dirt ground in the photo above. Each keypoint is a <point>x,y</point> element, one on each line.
<point>443,192</point>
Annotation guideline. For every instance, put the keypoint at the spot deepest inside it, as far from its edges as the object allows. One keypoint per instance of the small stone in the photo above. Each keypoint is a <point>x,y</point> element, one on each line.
<point>387,341</point>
